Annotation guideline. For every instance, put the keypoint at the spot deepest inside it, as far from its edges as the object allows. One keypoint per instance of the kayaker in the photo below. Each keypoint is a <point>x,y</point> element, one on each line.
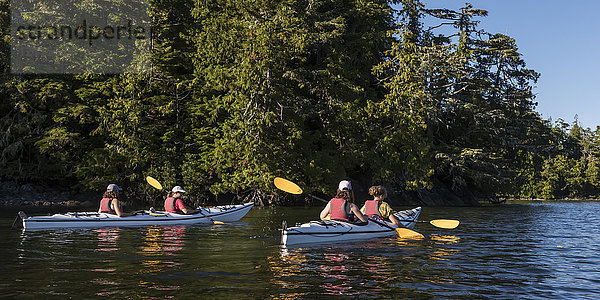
<point>110,202</point>
<point>174,204</point>
<point>342,206</point>
<point>377,207</point>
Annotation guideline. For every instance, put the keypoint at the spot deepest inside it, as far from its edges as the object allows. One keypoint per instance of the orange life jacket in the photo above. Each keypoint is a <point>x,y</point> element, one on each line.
<point>170,205</point>
<point>372,208</point>
<point>338,209</point>
<point>106,206</point>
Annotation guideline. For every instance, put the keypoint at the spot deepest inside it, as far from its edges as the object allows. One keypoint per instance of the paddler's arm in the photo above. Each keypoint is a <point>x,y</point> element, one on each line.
<point>395,220</point>
<point>190,211</point>
<point>184,209</point>
<point>325,212</point>
<point>386,211</point>
<point>354,209</point>
<point>118,210</point>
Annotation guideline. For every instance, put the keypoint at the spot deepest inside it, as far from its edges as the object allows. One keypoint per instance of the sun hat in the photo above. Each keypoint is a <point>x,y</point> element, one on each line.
<point>177,189</point>
<point>113,187</point>
<point>345,185</point>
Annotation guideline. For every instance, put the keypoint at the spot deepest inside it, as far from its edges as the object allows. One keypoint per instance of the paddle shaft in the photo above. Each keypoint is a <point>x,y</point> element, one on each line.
<point>382,224</point>
<point>415,221</point>
<point>20,217</point>
<point>318,198</point>
<point>14,225</point>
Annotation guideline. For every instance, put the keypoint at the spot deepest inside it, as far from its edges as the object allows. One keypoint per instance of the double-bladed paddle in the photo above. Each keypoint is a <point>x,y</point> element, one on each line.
<point>154,183</point>
<point>292,188</point>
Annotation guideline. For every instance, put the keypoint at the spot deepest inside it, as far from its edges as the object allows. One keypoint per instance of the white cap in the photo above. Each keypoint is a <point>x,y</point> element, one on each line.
<point>113,187</point>
<point>177,189</point>
<point>345,185</point>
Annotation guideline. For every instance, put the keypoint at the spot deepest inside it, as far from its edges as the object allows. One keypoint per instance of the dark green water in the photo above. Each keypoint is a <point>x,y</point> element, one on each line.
<point>517,251</point>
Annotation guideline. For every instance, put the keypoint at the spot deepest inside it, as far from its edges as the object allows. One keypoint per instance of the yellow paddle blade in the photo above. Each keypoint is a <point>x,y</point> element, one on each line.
<point>153,182</point>
<point>218,223</point>
<point>408,234</point>
<point>287,186</point>
<point>446,224</point>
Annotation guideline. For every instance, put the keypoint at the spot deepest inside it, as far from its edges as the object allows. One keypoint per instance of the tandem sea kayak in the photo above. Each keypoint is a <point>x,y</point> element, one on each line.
<point>224,213</point>
<point>327,231</point>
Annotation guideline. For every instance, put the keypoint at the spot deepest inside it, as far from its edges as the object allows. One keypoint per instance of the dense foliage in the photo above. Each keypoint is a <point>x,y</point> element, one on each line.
<point>315,91</point>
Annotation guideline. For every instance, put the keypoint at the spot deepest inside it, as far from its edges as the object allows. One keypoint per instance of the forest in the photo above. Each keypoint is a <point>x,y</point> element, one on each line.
<point>419,99</point>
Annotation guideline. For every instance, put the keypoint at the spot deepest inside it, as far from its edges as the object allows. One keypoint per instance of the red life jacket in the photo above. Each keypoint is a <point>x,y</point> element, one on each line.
<point>372,208</point>
<point>338,209</point>
<point>106,206</point>
<point>170,205</point>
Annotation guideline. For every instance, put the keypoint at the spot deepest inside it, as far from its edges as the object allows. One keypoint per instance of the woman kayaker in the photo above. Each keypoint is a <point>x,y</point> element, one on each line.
<point>110,202</point>
<point>342,206</point>
<point>174,204</point>
<point>377,208</point>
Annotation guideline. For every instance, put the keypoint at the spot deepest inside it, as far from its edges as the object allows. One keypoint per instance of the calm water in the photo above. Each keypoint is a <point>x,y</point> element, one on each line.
<point>524,250</point>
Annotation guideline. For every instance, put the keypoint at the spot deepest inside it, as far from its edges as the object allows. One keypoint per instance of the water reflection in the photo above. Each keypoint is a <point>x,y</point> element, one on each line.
<point>173,239</point>
<point>443,253</point>
<point>334,270</point>
<point>107,239</point>
<point>288,266</point>
<point>403,242</point>
<point>160,249</point>
<point>372,268</point>
<point>160,243</point>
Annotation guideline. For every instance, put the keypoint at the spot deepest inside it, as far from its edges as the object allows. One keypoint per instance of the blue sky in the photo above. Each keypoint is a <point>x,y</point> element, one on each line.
<point>558,39</point>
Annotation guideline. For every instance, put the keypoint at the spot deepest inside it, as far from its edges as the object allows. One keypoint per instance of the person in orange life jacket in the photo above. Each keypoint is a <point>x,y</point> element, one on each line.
<point>174,204</point>
<point>110,202</point>
<point>342,206</point>
<point>377,207</point>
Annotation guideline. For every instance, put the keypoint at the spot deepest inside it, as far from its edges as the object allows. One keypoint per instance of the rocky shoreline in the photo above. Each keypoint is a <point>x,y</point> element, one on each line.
<point>13,194</point>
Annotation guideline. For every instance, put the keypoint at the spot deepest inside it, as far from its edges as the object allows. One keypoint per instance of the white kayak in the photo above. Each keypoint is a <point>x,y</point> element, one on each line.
<point>224,213</point>
<point>328,231</point>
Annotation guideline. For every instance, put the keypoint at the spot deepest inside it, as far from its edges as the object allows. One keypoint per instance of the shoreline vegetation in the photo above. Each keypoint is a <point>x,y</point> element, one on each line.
<point>29,196</point>
<point>419,99</point>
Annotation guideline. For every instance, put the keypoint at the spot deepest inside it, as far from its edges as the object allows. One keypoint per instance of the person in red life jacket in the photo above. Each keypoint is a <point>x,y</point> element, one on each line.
<point>342,206</point>
<point>174,204</point>
<point>377,208</point>
<point>110,202</point>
